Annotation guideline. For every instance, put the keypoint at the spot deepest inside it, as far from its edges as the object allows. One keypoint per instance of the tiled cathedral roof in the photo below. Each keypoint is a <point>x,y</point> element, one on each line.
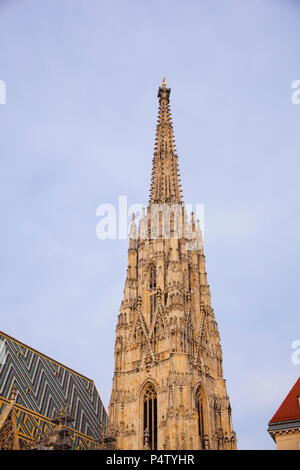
<point>44,386</point>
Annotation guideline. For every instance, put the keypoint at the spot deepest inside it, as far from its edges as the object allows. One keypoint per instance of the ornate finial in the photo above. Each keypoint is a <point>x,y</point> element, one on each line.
<point>193,221</point>
<point>199,238</point>
<point>132,232</point>
<point>13,393</point>
<point>164,82</point>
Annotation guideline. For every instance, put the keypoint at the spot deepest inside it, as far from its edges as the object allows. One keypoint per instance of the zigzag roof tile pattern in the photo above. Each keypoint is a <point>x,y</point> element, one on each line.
<point>44,386</point>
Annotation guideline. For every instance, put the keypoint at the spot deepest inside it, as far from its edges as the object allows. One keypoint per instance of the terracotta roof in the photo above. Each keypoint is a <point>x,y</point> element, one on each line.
<point>290,407</point>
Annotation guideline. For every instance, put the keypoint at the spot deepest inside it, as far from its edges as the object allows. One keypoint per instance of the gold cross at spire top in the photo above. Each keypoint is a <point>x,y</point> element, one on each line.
<point>164,82</point>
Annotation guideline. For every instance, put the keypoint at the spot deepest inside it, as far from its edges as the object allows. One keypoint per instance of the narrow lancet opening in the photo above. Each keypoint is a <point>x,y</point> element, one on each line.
<point>150,417</point>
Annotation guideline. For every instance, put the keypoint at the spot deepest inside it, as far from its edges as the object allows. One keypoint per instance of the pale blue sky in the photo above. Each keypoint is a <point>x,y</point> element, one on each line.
<point>78,130</point>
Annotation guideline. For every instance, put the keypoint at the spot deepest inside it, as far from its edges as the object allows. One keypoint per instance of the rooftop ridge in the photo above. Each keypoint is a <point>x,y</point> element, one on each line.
<point>5,335</point>
<point>290,407</point>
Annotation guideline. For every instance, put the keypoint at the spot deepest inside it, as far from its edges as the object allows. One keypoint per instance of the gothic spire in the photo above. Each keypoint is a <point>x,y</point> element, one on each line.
<point>165,184</point>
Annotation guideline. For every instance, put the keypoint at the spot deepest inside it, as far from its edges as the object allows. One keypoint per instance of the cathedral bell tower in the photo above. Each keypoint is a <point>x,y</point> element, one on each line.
<point>168,386</point>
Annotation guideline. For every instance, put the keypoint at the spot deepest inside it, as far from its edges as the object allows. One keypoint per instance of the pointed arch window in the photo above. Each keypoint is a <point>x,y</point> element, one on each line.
<point>200,413</point>
<point>150,417</point>
<point>152,278</point>
<point>152,306</point>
